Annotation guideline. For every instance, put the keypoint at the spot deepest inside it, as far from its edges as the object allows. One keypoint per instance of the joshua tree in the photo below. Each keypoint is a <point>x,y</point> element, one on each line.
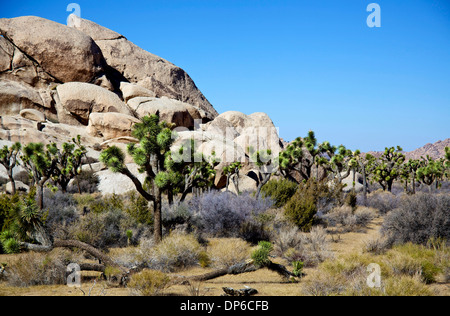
<point>431,171</point>
<point>8,158</point>
<point>386,169</point>
<point>301,156</point>
<point>68,161</point>
<point>340,160</point>
<point>229,171</point>
<point>152,155</point>
<point>447,162</point>
<point>40,166</point>
<point>267,164</point>
<point>408,172</point>
<point>196,170</point>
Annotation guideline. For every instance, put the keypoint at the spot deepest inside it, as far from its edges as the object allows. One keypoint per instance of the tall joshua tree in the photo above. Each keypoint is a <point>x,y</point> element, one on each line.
<point>267,163</point>
<point>40,166</point>
<point>8,158</point>
<point>408,172</point>
<point>195,170</point>
<point>68,161</point>
<point>152,155</point>
<point>431,171</point>
<point>233,170</point>
<point>386,169</point>
<point>301,156</point>
<point>447,162</point>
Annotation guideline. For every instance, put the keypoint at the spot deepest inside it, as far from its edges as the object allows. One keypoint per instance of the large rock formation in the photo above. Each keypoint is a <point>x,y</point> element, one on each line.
<point>42,54</point>
<point>146,69</point>
<point>59,81</point>
<point>63,53</point>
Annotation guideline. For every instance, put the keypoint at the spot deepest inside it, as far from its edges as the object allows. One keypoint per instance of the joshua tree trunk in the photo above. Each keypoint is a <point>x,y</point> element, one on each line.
<point>40,196</point>
<point>265,179</point>
<point>11,180</point>
<point>363,170</point>
<point>157,214</point>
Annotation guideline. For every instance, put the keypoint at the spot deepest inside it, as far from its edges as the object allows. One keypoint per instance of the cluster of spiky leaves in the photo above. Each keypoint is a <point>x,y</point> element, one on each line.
<point>232,168</point>
<point>305,153</point>
<point>430,170</point>
<point>165,169</point>
<point>8,155</point>
<point>25,217</point>
<point>50,162</point>
<point>294,158</point>
<point>387,168</point>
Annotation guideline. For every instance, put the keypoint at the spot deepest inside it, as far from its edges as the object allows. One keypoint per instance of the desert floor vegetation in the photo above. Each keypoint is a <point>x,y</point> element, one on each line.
<point>326,253</point>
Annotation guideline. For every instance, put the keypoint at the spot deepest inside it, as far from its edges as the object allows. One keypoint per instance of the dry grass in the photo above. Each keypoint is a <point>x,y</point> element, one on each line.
<point>268,283</point>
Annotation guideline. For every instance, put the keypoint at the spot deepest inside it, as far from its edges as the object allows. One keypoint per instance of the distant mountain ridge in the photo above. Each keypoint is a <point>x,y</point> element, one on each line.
<point>435,151</point>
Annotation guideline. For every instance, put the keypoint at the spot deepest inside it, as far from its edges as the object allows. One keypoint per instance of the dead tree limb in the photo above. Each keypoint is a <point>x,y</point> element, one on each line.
<point>243,267</point>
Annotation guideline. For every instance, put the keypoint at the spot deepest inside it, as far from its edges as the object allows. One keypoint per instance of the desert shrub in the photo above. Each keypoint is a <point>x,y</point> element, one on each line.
<point>419,218</point>
<point>223,214</point>
<point>288,238</point>
<point>347,219</point>
<point>176,251</point>
<point>320,283</point>
<point>301,210</point>
<point>9,243</point>
<point>61,213</point>
<point>424,261</point>
<point>8,207</point>
<point>32,268</point>
<point>405,271</point>
<point>107,203</point>
<point>381,200</point>
<point>351,200</point>
<point>178,215</point>
<point>106,229</point>
<point>280,191</point>
<point>149,283</point>
<point>138,208</point>
<point>312,198</point>
<point>312,248</point>
<point>254,231</point>
<point>86,182</point>
<point>225,253</point>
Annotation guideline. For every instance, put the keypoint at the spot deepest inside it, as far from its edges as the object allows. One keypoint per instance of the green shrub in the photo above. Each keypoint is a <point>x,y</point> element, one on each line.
<point>9,242</point>
<point>301,211</point>
<point>302,208</point>
<point>137,207</point>
<point>280,191</point>
<point>351,200</point>
<point>106,204</point>
<point>8,207</point>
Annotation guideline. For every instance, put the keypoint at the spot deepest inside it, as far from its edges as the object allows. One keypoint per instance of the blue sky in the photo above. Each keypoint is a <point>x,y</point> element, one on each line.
<point>309,64</point>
